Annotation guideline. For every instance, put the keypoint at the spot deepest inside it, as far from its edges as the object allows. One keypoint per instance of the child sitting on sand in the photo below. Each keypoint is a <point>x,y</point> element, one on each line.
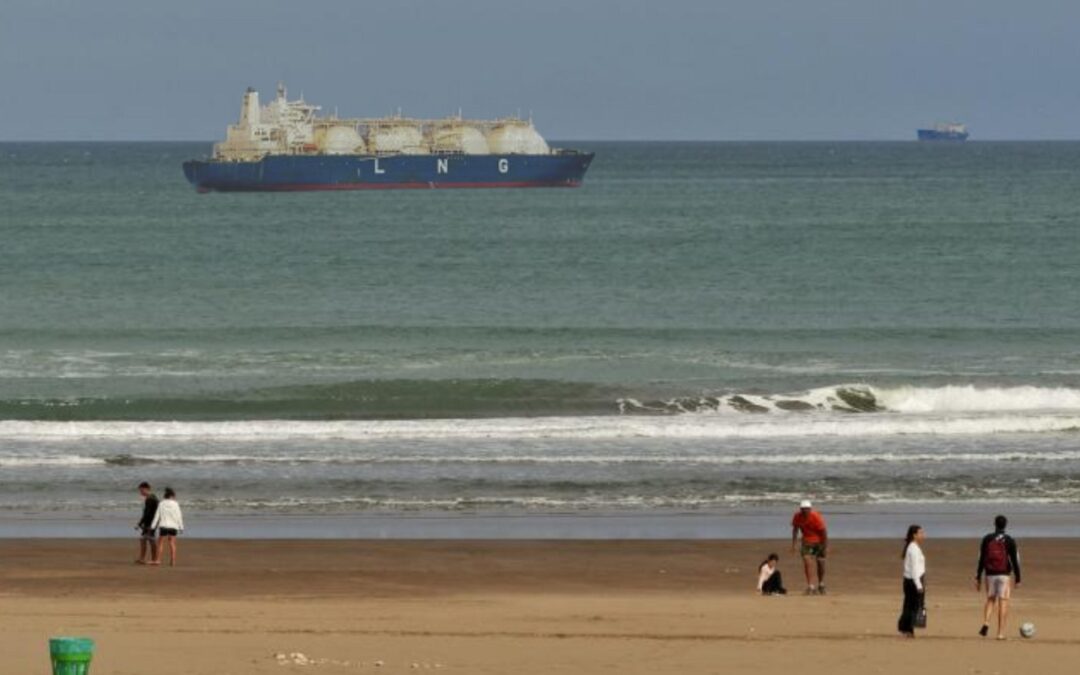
<point>769,580</point>
<point>170,520</point>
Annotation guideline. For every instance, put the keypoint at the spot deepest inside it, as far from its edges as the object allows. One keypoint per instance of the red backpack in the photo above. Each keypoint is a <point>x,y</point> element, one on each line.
<point>996,558</point>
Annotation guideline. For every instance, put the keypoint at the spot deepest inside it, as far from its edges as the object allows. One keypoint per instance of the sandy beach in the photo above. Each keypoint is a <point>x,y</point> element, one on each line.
<point>517,607</point>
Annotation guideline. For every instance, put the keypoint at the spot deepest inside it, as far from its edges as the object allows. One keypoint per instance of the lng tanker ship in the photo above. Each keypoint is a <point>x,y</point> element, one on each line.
<point>286,145</point>
<point>949,131</point>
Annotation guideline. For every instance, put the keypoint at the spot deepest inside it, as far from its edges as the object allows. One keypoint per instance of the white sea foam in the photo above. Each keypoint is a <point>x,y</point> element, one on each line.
<point>978,399</point>
<point>703,426</point>
<point>531,457</point>
<point>51,460</point>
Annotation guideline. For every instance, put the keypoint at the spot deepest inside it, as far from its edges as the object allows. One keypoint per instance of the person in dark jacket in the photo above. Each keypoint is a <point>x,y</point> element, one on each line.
<point>145,526</point>
<point>1000,562</point>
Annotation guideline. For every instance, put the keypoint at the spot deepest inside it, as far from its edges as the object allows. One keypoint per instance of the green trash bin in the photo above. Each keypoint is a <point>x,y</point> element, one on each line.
<point>71,656</point>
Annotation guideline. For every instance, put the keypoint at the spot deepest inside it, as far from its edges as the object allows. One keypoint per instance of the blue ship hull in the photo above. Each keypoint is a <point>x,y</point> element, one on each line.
<point>365,172</point>
<point>935,135</point>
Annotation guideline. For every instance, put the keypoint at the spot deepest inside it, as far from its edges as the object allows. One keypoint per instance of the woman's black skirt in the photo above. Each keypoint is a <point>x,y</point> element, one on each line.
<point>913,602</point>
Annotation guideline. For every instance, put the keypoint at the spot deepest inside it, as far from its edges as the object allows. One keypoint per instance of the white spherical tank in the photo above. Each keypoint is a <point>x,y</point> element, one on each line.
<point>403,138</point>
<point>458,138</point>
<point>517,139</point>
<point>340,141</point>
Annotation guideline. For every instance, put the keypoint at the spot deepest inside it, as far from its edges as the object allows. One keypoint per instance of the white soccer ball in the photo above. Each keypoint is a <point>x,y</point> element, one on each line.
<point>1027,630</point>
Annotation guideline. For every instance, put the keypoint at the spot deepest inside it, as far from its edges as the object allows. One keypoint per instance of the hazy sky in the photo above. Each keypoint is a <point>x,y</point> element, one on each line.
<point>587,69</point>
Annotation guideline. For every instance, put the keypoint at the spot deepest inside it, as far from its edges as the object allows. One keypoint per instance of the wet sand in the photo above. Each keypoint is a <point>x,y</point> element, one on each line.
<point>518,607</point>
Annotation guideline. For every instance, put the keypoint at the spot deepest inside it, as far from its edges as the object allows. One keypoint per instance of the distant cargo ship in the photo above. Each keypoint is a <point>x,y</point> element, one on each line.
<point>286,146</point>
<point>944,132</point>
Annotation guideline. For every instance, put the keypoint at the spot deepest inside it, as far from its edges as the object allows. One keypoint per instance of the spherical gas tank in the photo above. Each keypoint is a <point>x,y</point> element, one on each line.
<point>340,141</point>
<point>517,139</point>
<point>402,138</point>
<point>459,138</point>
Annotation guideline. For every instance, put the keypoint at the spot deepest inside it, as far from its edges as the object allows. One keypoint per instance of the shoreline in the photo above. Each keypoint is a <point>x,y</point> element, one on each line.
<point>849,521</point>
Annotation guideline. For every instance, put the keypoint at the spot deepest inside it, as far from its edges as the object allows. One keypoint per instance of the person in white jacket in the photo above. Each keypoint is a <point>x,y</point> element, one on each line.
<point>914,580</point>
<point>169,521</point>
<point>769,580</point>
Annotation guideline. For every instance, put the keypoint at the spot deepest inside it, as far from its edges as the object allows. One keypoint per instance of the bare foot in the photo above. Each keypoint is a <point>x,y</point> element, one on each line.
<point>1001,637</point>
<point>155,563</point>
<point>140,562</point>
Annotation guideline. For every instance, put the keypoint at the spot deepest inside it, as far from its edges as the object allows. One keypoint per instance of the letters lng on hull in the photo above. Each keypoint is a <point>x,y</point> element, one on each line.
<point>286,145</point>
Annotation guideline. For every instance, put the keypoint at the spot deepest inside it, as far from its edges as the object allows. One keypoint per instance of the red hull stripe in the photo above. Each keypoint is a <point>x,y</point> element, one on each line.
<point>304,187</point>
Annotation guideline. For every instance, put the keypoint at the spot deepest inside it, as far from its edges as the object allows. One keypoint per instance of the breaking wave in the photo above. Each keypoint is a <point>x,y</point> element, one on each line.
<point>859,398</point>
<point>843,410</point>
<point>480,399</point>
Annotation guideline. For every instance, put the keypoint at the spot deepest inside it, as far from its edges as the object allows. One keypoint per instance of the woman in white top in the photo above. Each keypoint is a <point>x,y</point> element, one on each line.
<point>769,580</point>
<point>914,580</point>
<point>169,521</point>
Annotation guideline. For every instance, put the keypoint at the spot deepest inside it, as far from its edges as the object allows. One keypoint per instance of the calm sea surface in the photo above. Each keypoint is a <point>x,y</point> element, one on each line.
<point>701,326</point>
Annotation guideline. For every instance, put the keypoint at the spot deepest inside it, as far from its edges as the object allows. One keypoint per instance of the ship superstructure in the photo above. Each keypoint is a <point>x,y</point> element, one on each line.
<point>286,145</point>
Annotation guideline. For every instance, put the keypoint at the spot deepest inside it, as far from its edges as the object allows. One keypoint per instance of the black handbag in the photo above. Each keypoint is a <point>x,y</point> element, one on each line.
<point>920,618</point>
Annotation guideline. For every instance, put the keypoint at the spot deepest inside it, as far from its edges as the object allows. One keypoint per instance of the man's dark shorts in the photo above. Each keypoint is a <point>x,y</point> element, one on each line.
<point>813,551</point>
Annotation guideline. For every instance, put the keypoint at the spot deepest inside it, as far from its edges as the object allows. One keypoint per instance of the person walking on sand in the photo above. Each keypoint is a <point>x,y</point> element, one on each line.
<point>815,545</point>
<point>1000,561</point>
<point>769,580</point>
<point>170,521</point>
<point>145,526</point>
<point>914,580</point>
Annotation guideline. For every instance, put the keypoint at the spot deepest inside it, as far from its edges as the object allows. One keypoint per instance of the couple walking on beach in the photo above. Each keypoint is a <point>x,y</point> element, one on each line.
<point>161,522</point>
<point>999,562</point>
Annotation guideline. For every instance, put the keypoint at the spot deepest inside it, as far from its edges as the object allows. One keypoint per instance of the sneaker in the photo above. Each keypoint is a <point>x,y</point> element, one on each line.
<point>984,631</point>
<point>821,589</point>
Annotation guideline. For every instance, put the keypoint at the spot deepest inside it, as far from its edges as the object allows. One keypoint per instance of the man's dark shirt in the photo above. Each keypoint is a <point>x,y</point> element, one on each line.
<point>1012,562</point>
<point>149,510</point>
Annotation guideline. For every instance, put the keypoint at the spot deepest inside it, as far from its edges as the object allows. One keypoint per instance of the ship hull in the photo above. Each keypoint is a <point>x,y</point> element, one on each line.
<point>935,135</point>
<point>293,173</point>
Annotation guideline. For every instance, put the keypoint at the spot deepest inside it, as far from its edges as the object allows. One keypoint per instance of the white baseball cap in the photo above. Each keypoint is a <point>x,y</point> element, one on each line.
<point>805,504</point>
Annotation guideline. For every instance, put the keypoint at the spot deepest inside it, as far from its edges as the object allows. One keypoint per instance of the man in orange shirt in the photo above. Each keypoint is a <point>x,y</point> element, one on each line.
<point>815,544</point>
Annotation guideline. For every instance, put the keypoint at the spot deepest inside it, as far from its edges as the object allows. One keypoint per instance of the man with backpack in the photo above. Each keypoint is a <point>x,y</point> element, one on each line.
<point>1000,562</point>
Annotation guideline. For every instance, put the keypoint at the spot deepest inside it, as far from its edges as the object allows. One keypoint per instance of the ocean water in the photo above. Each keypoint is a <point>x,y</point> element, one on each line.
<point>700,327</point>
